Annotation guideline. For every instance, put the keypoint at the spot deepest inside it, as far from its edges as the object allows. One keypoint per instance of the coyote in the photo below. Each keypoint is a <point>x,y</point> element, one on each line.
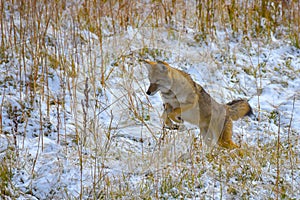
<point>185,100</point>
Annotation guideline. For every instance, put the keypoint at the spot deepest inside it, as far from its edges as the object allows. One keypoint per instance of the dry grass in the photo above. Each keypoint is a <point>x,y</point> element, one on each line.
<point>68,40</point>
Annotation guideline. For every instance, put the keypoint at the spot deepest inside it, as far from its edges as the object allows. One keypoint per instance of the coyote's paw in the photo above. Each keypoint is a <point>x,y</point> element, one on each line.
<point>171,126</point>
<point>228,144</point>
<point>175,118</point>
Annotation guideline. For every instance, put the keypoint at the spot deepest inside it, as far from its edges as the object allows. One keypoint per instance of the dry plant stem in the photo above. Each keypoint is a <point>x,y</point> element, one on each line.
<point>25,116</point>
<point>1,106</point>
<point>58,119</point>
<point>278,159</point>
<point>291,155</point>
<point>41,133</point>
<point>47,88</point>
<point>258,84</point>
<point>220,177</point>
<point>15,126</point>
<point>84,133</point>
<point>61,102</point>
<point>108,135</point>
<point>40,141</point>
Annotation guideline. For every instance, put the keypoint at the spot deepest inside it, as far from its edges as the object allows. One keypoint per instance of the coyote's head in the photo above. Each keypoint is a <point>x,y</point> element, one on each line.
<point>158,74</point>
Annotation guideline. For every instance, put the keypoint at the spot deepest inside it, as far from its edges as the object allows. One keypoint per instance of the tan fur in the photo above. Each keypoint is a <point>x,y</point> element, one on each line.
<point>185,100</point>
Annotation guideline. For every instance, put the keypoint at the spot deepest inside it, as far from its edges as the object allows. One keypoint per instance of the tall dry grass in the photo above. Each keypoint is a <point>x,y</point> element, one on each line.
<point>40,38</point>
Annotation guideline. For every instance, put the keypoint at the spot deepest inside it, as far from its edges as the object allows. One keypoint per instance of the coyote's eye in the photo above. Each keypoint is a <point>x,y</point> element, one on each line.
<point>158,82</point>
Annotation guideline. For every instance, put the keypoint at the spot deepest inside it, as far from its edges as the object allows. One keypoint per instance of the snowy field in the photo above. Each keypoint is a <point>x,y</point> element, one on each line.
<point>76,123</point>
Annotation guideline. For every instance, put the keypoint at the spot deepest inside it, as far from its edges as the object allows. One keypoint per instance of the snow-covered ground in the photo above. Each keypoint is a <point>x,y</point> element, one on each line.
<point>66,135</point>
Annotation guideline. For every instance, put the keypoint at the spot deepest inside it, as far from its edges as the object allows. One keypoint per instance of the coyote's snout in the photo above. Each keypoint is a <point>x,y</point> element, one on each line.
<point>153,88</point>
<point>185,100</point>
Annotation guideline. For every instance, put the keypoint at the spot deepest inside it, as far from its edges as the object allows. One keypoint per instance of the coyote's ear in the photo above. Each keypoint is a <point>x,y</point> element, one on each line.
<point>149,64</point>
<point>162,66</point>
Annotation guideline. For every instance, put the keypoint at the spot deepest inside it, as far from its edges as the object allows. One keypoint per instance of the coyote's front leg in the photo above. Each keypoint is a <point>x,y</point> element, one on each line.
<point>175,115</point>
<point>167,121</point>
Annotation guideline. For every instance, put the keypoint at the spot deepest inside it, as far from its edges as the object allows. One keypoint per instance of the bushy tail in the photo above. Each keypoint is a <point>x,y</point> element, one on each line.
<point>239,108</point>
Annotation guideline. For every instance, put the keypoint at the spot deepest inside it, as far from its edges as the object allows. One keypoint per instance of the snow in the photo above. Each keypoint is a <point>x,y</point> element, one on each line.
<point>57,156</point>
